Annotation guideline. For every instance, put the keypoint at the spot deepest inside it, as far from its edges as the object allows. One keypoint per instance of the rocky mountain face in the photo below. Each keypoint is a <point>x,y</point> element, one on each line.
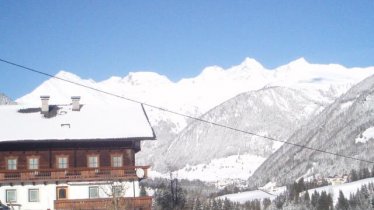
<point>345,127</point>
<point>5,100</point>
<point>274,111</point>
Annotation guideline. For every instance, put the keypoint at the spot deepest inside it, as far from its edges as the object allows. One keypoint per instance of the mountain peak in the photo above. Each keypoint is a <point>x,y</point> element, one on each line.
<point>67,75</point>
<point>251,63</point>
<point>146,77</point>
<point>299,62</point>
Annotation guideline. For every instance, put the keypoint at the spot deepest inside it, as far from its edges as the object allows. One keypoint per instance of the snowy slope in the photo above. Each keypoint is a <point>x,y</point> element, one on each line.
<point>337,129</point>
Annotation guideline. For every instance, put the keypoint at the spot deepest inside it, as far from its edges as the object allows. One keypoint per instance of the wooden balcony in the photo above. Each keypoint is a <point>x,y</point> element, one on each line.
<point>70,174</point>
<point>138,203</point>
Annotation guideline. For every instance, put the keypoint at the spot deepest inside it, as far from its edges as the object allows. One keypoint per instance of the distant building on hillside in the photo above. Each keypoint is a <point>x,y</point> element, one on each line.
<point>337,180</point>
<point>72,156</point>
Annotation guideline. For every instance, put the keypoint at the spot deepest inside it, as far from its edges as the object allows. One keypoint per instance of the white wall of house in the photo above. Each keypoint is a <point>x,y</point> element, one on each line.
<point>76,190</point>
<point>47,194</point>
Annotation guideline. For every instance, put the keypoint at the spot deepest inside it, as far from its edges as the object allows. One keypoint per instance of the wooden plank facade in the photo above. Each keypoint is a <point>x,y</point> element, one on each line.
<point>77,158</point>
<point>111,162</point>
<point>139,203</point>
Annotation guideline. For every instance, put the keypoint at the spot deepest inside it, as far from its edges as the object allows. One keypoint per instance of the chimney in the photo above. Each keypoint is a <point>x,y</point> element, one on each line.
<point>75,103</point>
<point>45,105</point>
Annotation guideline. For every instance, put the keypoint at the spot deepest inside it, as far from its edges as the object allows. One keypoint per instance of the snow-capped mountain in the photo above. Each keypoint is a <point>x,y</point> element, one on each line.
<point>4,100</point>
<point>345,127</point>
<point>195,96</point>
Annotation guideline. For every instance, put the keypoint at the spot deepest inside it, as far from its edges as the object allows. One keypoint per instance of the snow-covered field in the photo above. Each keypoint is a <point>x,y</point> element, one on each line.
<point>346,188</point>
<point>248,196</point>
<point>243,197</point>
<point>222,171</point>
<point>232,167</point>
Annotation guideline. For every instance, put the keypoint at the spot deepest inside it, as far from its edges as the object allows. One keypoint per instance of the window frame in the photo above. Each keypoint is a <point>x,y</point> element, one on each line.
<point>97,191</point>
<point>28,162</point>
<point>58,194</point>
<point>112,156</point>
<point>16,163</point>
<point>7,196</point>
<point>37,198</point>
<point>58,157</point>
<point>98,160</point>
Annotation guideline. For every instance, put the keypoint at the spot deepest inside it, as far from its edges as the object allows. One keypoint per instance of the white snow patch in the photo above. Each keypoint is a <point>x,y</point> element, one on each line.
<point>365,136</point>
<point>346,105</point>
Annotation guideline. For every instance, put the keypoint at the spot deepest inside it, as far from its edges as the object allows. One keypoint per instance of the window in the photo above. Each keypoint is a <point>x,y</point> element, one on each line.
<point>117,161</point>
<point>33,195</point>
<point>62,162</point>
<point>11,196</point>
<point>93,161</point>
<point>33,163</point>
<point>117,191</point>
<point>62,193</point>
<point>93,192</point>
<point>12,163</point>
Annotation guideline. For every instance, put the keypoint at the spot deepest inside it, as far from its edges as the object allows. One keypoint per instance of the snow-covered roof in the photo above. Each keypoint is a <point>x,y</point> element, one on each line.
<point>93,121</point>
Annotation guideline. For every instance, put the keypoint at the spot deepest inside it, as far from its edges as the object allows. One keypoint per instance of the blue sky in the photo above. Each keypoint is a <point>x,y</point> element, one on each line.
<point>99,39</point>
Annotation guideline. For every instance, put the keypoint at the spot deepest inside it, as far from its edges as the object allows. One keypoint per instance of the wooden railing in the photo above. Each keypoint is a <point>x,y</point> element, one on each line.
<point>71,174</point>
<point>140,203</point>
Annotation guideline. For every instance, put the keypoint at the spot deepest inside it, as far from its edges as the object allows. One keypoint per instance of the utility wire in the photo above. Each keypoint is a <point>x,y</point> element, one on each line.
<point>184,115</point>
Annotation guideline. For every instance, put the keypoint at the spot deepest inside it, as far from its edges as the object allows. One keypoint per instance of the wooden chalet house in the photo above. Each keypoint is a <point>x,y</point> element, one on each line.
<point>72,156</point>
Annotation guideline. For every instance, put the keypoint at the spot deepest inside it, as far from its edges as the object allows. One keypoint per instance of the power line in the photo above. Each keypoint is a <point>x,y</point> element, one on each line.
<point>184,115</point>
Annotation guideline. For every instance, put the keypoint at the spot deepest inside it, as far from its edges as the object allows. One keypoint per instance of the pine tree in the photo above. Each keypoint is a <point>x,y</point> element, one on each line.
<point>279,201</point>
<point>163,199</point>
<point>227,205</point>
<point>197,205</point>
<point>364,173</point>
<point>266,202</point>
<point>353,175</point>
<point>306,197</point>
<point>364,191</point>
<point>343,203</point>
<point>315,198</point>
<point>215,205</point>
<point>353,202</point>
<point>324,202</point>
